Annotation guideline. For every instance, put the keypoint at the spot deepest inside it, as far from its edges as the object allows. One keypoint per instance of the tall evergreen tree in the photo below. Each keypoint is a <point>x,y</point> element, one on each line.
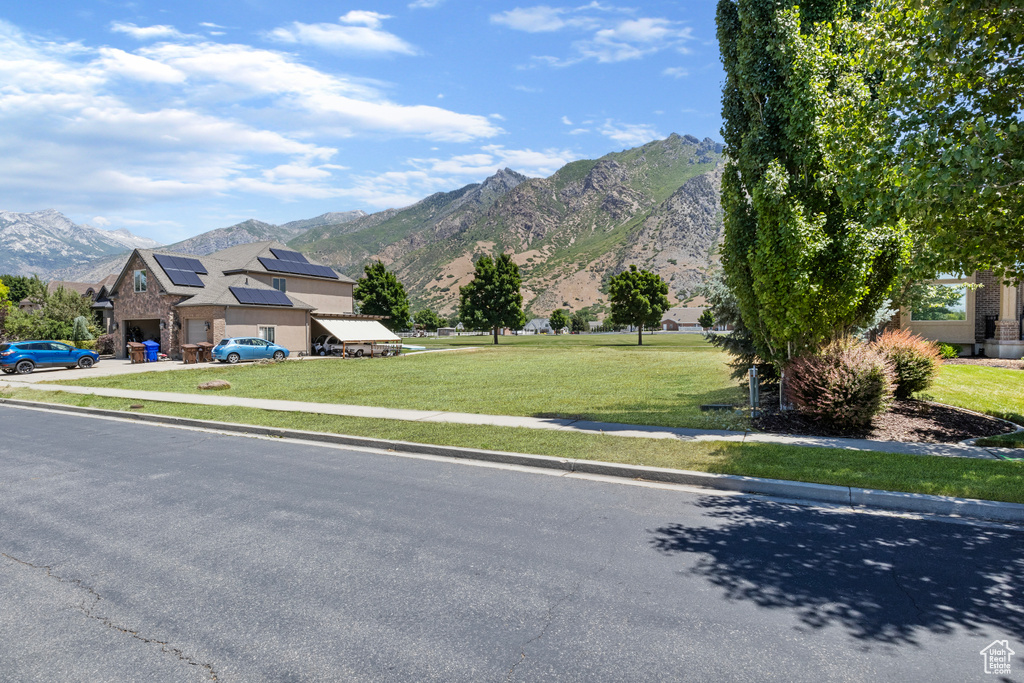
<point>493,298</point>
<point>803,266</point>
<point>380,293</point>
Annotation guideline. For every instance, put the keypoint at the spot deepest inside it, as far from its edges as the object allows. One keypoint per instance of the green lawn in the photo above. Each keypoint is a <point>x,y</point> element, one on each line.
<point>962,477</point>
<point>994,391</point>
<point>598,377</point>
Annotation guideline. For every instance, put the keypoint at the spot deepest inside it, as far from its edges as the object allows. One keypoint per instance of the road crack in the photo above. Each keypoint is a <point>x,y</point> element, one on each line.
<point>906,593</point>
<point>572,593</point>
<point>95,597</point>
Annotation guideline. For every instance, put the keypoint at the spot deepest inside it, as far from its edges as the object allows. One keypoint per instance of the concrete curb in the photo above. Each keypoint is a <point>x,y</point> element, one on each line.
<point>820,493</point>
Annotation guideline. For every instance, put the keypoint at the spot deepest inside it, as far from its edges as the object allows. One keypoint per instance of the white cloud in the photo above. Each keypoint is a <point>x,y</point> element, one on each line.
<point>363,18</point>
<point>532,19</point>
<point>490,158</point>
<point>358,32</point>
<point>579,131</point>
<point>566,121</point>
<point>425,4</point>
<point>629,134</point>
<point>139,68</point>
<point>610,38</point>
<point>146,32</point>
<point>675,72</point>
<point>100,221</point>
<point>208,124</point>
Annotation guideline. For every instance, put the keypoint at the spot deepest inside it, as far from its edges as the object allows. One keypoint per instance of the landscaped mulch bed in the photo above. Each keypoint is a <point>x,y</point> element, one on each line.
<point>914,421</point>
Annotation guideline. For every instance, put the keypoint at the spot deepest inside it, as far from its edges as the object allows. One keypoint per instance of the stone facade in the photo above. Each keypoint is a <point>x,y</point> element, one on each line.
<point>130,305</point>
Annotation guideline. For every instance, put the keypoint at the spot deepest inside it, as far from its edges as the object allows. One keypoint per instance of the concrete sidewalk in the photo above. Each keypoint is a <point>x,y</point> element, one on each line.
<point>555,424</point>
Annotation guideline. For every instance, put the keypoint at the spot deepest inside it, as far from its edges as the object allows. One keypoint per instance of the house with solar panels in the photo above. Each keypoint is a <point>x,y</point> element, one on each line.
<point>261,289</point>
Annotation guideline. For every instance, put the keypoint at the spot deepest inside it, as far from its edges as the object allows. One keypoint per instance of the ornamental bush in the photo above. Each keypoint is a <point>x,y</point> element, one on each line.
<point>915,360</point>
<point>948,351</point>
<point>845,384</point>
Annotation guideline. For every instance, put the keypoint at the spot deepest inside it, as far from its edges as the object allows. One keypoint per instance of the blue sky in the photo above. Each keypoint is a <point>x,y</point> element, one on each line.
<point>170,119</point>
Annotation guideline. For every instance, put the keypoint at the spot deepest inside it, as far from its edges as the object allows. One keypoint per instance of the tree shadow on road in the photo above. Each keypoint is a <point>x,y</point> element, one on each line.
<point>883,579</point>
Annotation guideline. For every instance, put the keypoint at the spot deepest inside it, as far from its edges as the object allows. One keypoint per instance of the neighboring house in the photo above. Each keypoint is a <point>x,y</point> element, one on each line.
<point>986,319</point>
<point>262,290</point>
<point>538,326</point>
<point>97,292</point>
<point>685,318</point>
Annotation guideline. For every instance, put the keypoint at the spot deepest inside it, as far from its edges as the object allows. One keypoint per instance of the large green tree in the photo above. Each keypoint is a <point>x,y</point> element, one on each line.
<point>638,297</point>
<point>380,293</point>
<point>804,266</point>
<point>54,319</point>
<point>493,298</point>
<point>941,141</point>
<point>558,320</point>
<point>428,319</point>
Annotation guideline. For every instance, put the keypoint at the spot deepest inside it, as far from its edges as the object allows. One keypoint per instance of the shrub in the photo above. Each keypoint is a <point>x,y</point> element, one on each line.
<point>846,384</point>
<point>915,360</point>
<point>106,344</point>
<point>949,351</point>
<point>89,344</point>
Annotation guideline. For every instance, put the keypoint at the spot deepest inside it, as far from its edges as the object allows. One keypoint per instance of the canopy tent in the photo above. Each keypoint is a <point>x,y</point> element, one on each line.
<point>358,331</point>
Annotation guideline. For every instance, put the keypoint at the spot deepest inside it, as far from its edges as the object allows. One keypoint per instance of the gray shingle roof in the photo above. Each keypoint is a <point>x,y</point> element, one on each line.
<point>226,268</point>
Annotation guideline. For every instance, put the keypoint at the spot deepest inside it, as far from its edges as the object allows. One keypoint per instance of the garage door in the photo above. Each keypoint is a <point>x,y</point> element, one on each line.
<point>196,332</point>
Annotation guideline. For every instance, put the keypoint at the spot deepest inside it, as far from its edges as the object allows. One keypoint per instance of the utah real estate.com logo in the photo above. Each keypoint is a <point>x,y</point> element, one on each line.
<point>997,657</point>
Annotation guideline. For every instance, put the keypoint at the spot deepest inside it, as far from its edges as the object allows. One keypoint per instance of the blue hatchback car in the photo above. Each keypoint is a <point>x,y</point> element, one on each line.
<point>235,349</point>
<point>25,356</point>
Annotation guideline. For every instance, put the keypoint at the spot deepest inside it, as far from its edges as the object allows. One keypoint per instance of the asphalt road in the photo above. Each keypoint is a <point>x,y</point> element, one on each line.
<point>133,552</point>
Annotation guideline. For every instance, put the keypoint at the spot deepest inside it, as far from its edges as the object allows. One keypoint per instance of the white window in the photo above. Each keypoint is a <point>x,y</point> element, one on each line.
<point>944,298</point>
<point>140,281</point>
<point>267,332</point>
<point>279,284</point>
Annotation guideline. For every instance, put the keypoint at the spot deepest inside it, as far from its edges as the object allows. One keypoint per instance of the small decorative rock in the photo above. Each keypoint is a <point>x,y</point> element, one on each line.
<point>215,384</point>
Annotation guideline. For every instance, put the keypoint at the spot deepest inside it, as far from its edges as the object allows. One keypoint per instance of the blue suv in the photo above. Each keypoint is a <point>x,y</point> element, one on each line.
<point>25,356</point>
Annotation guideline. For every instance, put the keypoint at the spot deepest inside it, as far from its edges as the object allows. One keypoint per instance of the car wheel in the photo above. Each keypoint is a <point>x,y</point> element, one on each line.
<point>278,355</point>
<point>8,371</point>
<point>24,367</point>
<point>85,362</point>
<point>323,352</point>
<point>359,353</point>
<point>234,358</point>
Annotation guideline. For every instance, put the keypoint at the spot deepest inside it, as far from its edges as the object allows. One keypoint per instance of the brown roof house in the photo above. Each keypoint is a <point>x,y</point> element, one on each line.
<point>261,289</point>
<point>987,317</point>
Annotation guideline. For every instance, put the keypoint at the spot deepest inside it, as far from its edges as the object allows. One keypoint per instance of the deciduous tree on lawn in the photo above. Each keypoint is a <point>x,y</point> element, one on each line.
<point>706,320</point>
<point>493,299</point>
<point>579,321</point>
<point>638,297</point>
<point>380,293</point>
<point>428,319</point>
<point>558,320</point>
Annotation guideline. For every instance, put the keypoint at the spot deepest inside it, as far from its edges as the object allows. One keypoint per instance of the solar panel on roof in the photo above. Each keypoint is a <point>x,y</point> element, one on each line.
<point>260,297</point>
<point>296,268</point>
<point>182,271</point>
<point>286,255</point>
<point>183,278</point>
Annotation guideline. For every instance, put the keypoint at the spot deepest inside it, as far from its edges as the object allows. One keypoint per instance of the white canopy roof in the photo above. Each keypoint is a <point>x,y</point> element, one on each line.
<point>358,330</point>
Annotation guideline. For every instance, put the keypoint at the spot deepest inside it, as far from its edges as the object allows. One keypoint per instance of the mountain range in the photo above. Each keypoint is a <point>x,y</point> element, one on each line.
<point>656,206</point>
<point>43,241</point>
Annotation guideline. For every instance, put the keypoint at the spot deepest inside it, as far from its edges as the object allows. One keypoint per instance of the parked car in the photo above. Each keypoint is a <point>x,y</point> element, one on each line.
<point>25,356</point>
<point>235,349</point>
<point>326,345</point>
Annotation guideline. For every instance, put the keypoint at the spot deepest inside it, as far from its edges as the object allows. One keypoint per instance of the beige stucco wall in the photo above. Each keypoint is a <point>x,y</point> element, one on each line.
<point>949,331</point>
<point>327,296</point>
<point>292,326</point>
